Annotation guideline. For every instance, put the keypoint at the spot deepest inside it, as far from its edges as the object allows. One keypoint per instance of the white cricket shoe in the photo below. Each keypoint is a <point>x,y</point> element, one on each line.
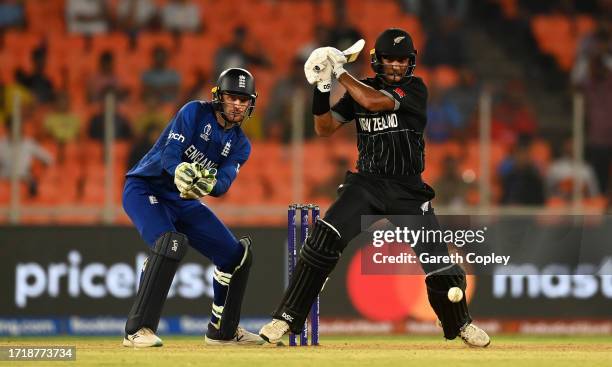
<point>242,337</point>
<point>273,331</point>
<point>474,336</point>
<point>143,338</point>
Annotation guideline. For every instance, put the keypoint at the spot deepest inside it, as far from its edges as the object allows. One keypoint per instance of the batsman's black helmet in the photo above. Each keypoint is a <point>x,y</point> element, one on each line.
<point>234,81</point>
<point>393,43</point>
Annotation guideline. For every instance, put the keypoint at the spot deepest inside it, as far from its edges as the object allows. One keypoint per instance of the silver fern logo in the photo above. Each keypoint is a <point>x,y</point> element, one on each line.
<point>397,40</point>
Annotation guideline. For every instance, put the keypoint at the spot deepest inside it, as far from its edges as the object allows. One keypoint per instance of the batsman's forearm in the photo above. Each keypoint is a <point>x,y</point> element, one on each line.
<point>325,124</point>
<point>366,96</point>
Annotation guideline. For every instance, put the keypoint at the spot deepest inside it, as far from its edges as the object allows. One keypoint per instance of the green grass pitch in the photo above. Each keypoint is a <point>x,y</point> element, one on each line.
<point>336,351</point>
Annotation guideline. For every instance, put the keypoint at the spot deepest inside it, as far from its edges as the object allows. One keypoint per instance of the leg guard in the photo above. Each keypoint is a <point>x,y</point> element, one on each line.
<point>317,259</point>
<point>155,282</point>
<point>453,316</point>
<point>229,313</point>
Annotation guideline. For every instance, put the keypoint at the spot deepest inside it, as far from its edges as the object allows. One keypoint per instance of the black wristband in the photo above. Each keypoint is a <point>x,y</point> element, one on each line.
<point>320,102</point>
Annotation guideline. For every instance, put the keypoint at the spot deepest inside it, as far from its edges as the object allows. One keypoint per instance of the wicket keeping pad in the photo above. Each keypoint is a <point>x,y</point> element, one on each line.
<point>237,283</point>
<point>159,270</point>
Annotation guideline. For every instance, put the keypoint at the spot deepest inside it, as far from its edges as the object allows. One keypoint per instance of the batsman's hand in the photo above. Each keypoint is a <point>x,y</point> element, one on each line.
<point>203,185</point>
<point>336,60</point>
<point>318,70</point>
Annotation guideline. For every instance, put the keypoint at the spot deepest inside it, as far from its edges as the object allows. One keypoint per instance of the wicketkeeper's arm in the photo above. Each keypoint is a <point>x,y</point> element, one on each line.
<point>227,172</point>
<point>181,129</point>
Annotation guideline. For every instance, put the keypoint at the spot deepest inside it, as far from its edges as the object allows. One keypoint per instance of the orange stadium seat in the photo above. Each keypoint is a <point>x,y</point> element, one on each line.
<point>146,41</point>
<point>116,42</point>
<point>5,191</point>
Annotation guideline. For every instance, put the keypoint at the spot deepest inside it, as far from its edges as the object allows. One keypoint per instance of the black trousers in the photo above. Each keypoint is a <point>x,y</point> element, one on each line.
<point>406,201</point>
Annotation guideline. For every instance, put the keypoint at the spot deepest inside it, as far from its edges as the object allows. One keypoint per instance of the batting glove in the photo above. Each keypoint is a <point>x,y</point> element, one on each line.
<point>317,69</point>
<point>336,61</point>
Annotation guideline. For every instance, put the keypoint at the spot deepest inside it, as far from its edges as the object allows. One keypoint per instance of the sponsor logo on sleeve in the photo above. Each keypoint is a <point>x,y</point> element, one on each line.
<point>176,136</point>
<point>399,92</point>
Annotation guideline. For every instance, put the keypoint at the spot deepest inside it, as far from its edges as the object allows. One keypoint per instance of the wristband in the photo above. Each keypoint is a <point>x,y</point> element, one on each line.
<point>320,102</point>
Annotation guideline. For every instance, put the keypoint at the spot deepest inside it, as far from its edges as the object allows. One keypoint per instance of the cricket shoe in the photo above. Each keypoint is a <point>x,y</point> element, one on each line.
<point>242,337</point>
<point>143,338</point>
<point>273,331</point>
<point>474,336</point>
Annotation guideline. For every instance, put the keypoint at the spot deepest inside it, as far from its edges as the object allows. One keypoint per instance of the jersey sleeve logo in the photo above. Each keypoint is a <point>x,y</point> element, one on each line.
<point>399,92</point>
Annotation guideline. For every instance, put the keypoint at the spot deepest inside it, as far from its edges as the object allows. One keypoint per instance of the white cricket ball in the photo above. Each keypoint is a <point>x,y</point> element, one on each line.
<point>455,294</point>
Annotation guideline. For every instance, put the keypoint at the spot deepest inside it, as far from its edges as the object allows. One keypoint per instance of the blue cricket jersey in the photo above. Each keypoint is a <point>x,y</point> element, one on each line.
<point>194,135</point>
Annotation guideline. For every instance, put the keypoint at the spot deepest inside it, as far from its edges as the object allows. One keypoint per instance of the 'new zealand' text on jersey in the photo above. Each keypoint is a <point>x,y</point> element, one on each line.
<point>194,135</point>
<point>389,142</point>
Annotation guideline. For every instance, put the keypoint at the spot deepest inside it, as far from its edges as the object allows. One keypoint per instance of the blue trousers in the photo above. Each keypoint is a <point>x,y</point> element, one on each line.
<point>155,213</point>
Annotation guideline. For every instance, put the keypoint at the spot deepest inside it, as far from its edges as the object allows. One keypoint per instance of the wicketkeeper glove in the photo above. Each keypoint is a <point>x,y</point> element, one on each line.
<point>193,180</point>
<point>185,175</point>
<point>336,61</point>
<point>318,70</point>
<point>203,185</point>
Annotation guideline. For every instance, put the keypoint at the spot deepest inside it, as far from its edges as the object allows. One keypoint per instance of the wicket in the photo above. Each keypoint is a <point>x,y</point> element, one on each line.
<point>293,249</point>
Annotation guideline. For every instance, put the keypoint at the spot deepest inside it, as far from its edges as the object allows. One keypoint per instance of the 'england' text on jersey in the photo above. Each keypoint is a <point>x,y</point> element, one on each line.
<point>196,156</point>
<point>381,123</point>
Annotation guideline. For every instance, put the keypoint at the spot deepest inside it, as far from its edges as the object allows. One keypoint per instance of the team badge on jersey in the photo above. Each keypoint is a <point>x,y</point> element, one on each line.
<point>206,133</point>
<point>226,148</point>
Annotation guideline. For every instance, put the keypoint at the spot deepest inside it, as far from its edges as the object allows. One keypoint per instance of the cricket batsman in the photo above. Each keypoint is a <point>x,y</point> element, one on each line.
<point>390,114</point>
<point>199,153</point>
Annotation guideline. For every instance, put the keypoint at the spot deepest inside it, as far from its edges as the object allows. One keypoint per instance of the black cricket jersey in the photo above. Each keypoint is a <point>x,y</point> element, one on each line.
<point>390,143</point>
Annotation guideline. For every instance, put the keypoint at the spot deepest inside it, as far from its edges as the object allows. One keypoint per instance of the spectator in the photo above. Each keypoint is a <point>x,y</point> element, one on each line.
<point>11,14</point>
<point>87,17</point>
<point>278,114</point>
<point>159,80</point>
<point>143,144</point>
<point>105,80</point>
<point>133,16</point>
<point>563,173</point>
<point>451,189</point>
<point>26,151</point>
<point>597,88</point>
<point>26,99</point>
<point>433,10</point>
<point>465,94</point>
<point>37,82</point>
<point>181,16</point>
<point>445,45</point>
<point>200,89</point>
<point>123,130</point>
<point>512,115</point>
<point>61,124</point>
<point>597,42</point>
<point>235,54</point>
<point>153,116</point>
<point>521,181</point>
<point>443,118</point>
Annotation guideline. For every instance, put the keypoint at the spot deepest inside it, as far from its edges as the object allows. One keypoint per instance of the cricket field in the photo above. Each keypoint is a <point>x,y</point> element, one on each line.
<point>334,351</point>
